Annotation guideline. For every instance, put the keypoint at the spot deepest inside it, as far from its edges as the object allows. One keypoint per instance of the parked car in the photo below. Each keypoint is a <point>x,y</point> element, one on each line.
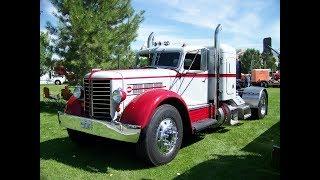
<point>52,78</point>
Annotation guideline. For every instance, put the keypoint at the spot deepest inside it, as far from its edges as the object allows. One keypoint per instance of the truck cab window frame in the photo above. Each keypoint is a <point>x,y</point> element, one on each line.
<point>196,66</point>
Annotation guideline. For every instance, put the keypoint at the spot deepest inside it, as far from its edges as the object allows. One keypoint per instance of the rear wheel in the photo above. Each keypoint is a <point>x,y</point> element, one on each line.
<point>261,111</point>
<point>160,141</point>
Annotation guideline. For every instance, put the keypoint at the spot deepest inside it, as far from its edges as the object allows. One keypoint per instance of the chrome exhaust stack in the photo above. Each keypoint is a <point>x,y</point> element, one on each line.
<point>216,37</point>
<point>150,40</point>
<point>215,84</point>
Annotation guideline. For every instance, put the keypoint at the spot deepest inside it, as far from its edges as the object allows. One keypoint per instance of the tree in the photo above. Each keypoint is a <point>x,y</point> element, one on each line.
<point>45,53</point>
<point>94,33</point>
<point>250,59</point>
<point>270,61</point>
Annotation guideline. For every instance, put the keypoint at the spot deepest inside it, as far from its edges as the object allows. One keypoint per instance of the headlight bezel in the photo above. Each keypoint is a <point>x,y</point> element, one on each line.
<point>78,92</point>
<point>118,96</point>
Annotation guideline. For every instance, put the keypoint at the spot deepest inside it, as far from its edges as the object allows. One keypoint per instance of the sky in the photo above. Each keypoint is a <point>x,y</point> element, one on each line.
<point>244,22</point>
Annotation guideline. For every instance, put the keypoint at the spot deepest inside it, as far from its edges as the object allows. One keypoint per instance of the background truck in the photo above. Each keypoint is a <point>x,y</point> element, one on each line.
<point>176,92</point>
<point>265,78</point>
<point>275,79</point>
<point>52,78</point>
<point>259,77</point>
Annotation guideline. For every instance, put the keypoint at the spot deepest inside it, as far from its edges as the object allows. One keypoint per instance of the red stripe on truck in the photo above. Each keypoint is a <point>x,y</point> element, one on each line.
<point>193,75</point>
<point>199,114</point>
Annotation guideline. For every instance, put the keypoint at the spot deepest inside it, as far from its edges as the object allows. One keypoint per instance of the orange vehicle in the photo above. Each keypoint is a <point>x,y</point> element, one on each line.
<point>265,78</point>
<point>260,77</point>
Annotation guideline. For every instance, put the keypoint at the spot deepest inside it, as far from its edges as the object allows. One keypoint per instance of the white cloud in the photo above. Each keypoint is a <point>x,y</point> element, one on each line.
<point>171,34</point>
<point>242,21</point>
<point>166,33</point>
<point>144,30</point>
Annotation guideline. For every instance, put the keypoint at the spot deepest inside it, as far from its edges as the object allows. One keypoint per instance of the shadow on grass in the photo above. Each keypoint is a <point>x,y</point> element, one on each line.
<point>191,139</point>
<point>231,167</point>
<point>221,129</point>
<point>51,107</point>
<point>101,154</point>
<point>264,142</point>
<point>96,157</point>
<point>257,166</point>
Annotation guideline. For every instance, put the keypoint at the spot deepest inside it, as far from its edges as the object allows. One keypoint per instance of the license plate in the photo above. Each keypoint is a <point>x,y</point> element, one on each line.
<point>86,124</point>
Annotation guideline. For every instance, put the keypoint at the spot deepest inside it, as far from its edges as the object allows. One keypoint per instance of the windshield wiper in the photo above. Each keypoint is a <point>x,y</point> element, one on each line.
<point>153,67</point>
<point>171,68</point>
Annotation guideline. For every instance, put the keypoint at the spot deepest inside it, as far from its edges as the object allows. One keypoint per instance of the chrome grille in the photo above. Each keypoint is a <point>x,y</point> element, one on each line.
<point>97,99</point>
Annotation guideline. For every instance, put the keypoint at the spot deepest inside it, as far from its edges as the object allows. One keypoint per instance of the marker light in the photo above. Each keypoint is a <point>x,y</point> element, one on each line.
<point>77,92</point>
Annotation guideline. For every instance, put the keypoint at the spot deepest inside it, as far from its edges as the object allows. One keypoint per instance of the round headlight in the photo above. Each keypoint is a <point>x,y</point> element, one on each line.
<point>118,95</point>
<point>77,92</point>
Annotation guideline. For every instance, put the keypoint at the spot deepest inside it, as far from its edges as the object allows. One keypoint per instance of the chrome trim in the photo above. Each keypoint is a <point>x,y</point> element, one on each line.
<point>98,98</point>
<point>150,40</point>
<point>111,130</point>
<point>263,106</point>
<point>166,136</point>
<point>198,107</point>
<point>252,95</point>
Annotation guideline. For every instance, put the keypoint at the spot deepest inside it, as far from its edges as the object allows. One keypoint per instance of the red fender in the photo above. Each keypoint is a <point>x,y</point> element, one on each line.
<point>140,110</point>
<point>74,107</point>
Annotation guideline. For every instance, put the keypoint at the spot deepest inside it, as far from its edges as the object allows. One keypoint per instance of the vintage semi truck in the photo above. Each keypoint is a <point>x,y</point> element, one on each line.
<point>174,92</point>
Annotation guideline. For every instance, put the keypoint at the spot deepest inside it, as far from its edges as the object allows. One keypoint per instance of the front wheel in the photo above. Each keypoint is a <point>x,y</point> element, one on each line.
<point>160,141</point>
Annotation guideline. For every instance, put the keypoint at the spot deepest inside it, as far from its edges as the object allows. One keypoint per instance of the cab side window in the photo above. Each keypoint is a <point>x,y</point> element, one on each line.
<point>188,61</point>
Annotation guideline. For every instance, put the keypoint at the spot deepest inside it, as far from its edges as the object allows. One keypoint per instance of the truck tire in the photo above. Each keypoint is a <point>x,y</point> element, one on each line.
<point>261,111</point>
<point>80,138</point>
<point>57,82</point>
<point>161,139</point>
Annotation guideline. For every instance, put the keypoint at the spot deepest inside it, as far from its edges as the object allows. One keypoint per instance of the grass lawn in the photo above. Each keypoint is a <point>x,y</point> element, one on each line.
<point>231,152</point>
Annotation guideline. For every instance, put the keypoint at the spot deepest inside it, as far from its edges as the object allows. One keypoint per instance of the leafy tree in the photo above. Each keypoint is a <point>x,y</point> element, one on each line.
<point>251,57</point>
<point>45,53</point>
<point>270,61</point>
<point>94,33</point>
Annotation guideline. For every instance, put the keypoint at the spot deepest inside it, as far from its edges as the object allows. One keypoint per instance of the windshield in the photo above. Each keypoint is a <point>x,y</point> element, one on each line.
<point>159,59</point>
<point>167,59</point>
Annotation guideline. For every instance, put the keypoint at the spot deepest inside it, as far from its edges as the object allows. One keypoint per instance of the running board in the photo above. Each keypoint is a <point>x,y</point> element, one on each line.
<point>203,124</point>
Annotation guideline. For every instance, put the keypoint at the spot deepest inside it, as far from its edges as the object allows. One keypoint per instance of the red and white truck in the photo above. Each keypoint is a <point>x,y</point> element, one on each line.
<point>179,91</point>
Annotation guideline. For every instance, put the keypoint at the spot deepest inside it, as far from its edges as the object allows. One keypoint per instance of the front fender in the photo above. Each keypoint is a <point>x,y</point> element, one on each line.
<point>74,106</point>
<point>140,110</point>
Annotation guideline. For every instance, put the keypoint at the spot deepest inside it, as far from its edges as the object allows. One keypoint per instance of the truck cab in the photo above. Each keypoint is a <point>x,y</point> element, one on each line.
<point>173,92</point>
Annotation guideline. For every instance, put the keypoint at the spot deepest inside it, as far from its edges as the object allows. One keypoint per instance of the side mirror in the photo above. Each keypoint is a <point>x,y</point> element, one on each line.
<point>204,59</point>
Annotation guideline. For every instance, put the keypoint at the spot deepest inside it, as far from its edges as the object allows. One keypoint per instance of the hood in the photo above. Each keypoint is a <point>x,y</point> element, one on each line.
<point>131,73</point>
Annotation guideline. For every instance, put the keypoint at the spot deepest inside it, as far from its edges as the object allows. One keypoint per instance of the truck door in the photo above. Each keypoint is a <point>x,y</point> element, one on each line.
<point>193,84</point>
<point>231,81</point>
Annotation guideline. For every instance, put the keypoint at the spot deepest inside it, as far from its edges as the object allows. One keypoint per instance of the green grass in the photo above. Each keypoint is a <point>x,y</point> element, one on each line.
<point>232,152</point>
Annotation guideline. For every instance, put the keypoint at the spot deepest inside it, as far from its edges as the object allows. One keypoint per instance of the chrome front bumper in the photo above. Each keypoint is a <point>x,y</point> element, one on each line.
<point>111,130</point>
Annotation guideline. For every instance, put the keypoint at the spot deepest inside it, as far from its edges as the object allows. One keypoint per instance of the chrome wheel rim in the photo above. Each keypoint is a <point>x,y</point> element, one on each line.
<point>167,136</point>
<point>263,106</point>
